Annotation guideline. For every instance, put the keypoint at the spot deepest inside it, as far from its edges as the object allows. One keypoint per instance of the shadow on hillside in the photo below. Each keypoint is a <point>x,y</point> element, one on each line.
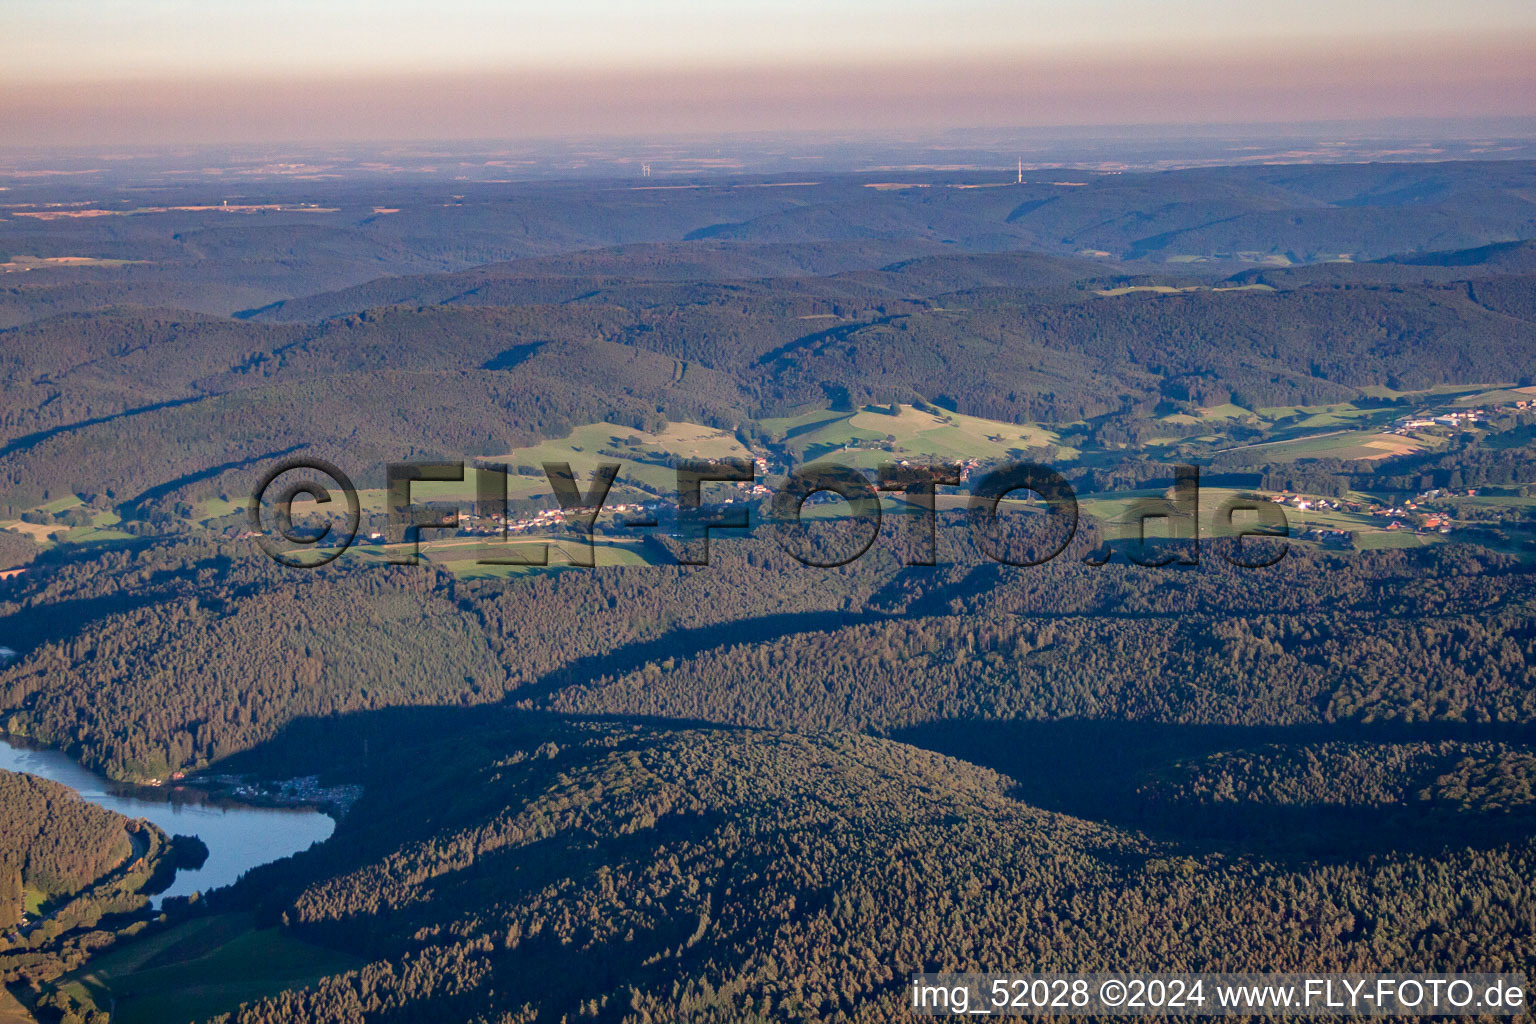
<point>32,625</point>
<point>688,643</point>
<point>1098,770</point>
<point>443,788</point>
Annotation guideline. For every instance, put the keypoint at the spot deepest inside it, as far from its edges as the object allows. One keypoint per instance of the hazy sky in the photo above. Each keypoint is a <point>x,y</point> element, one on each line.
<point>125,71</point>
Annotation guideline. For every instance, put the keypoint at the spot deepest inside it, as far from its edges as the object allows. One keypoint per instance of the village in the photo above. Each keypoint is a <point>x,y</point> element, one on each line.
<point>1460,418</point>
<point>305,791</point>
<point>1427,514</point>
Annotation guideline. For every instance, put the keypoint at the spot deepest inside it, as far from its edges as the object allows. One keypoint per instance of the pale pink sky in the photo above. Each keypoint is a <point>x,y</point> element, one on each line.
<point>152,71</point>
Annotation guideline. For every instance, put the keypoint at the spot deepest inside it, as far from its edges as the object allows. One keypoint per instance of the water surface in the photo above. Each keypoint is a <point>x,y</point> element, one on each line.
<point>238,836</point>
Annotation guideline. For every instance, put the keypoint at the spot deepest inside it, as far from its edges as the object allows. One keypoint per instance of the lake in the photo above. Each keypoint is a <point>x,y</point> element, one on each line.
<point>239,837</point>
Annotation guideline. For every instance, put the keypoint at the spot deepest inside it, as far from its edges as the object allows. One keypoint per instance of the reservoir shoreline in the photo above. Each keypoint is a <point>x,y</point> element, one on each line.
<point>240,834</point>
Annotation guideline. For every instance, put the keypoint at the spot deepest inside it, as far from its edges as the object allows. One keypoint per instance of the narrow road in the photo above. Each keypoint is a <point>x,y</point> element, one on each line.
<point>1285,440</point>
<point>139,848</point>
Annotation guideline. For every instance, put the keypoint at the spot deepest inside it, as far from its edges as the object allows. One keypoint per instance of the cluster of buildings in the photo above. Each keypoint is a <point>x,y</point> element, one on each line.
<point>1408,516</point>
<point>1456,419</point>
<point>300,792</point>
<point>1466,418</point>
<point>495,524</point>
<point>1441,492</point>
<point>1303,504</point>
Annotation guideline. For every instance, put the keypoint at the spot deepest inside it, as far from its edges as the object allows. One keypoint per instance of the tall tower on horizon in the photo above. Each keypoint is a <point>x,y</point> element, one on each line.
<point>1021,170</point>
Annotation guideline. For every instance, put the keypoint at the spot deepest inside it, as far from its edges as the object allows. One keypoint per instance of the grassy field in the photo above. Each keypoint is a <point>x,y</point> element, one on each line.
<point>849,438</point>
<point>638,452</point>
<point>1495,500</point>
<point>1210,414</point>
<point>1381,540</point>
<point>1117,511</point>
<point>794,426</point>
<point>1341,430</point>
<point>53,533</point>
<point>59,504</point>
<point>865,439</point>
<point>1295,417</point>
<point>1336,416</point>
<point>1168,289</point>
<point>201,968</point>
<point>99,530</point>
<point>588,445</point>
<point>1440,391</point>
<point>1347,444</point>
<point>25,263</point>
<point>93,535</point>
<point>12,1012</point>
<point>217,508</point>
<point>463,493</point>
<point>461,556</point>
<point>1497,395</point>
<point>42,534</point>
<point>584,448</point>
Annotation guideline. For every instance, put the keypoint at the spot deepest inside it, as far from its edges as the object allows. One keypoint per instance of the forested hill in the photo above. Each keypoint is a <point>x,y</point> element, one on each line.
<point>708,272</point>
<point>756,639</point>
<point>184,404</point>
<point>300,238</point>
<point>470,323</point>
<point>621,873</point>
<point>754,790</point>
<point>52,841</point>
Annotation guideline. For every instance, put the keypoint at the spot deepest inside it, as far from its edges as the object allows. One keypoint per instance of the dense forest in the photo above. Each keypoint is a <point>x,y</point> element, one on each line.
<point>184,653</point>
<point>461,381</point>
<point>757,790</point>
<point>758,875</point>
<point>147,404</point>
<point>53,842</point>
<point>75,881</point>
